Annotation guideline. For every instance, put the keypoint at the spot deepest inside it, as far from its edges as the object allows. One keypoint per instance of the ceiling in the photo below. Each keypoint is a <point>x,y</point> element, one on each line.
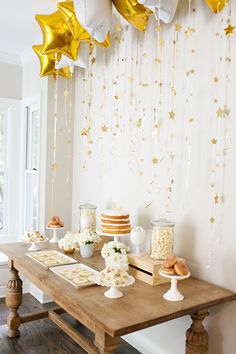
<point>18,27</point>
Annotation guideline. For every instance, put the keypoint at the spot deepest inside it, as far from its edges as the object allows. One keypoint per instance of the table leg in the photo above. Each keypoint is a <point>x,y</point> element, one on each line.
<point>196,335</point>
<point>105,343</point>
<point>13,302</point>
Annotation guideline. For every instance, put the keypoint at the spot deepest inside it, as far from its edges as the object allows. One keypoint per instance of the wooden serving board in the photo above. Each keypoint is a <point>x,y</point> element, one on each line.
<point>146,269</point>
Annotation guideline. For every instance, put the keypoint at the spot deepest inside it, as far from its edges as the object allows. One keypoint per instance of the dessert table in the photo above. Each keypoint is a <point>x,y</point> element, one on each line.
<point>141,307</point>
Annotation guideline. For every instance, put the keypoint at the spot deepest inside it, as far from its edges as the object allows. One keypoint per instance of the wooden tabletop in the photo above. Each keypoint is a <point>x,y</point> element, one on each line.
<point>141,306</point>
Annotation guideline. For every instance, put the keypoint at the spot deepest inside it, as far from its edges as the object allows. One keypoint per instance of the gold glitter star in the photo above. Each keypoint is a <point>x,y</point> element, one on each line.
<point>141,173</point>
<point>162,42</point>
<point>226,111</point>
<point>178,27</point>
<point>158,28</point>
<point>155,160</point>
<point>104,128</point>
<point>131,79</point>
<point>192,71</point>
<point>84,131</point>
<point>212,220</point>
<point>219,112</point>
<point>172,156</point>
<point>214,141</point>
<point>229,30</point>
<point>189,31</point>
<point>216,199</point>
<point>190,119</point>
<point>54,166</point>
<point>93,60</point>
<point>139,123</point>
<point>172,114</point>
<point>66,93</point>
<point>158,60</point>
<point>216,79</point>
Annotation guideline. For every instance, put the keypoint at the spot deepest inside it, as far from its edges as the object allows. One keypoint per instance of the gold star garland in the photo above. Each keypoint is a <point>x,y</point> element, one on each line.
<point>220,147</point>
<point>68,124</point>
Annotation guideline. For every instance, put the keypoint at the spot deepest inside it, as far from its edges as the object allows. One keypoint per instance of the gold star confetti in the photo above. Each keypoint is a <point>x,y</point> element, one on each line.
<point>226,111</point>
<point>190,119</point>
<point>172,114</point>
<point>214,141</point>
<point>155,160</point>
<point>216,79</point>
<point>104,128</point>
<point>229,30</point>
<point>66,93</point>
<point>93,60</point>
<point>84,132</point>
<point>131,79</point>
<point>212,220</point>
<point>216,199</point>
<point>178,27</point>
<point>158,60</point>
<point>189,31</point>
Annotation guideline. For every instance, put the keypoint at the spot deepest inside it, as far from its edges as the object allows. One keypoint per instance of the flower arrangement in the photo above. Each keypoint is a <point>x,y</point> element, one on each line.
<point>69,241</point>
<point>114,247</point>
<point>88,237</point>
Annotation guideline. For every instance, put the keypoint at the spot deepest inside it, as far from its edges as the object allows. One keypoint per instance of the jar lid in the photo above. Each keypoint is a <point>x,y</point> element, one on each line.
<point>88,206</point>
<point>162,223</point>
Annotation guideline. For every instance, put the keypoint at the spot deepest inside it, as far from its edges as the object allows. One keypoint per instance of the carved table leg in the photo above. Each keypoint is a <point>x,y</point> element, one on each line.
<point>13,302</point>
<point>105,343</point>
<point>196,335</point>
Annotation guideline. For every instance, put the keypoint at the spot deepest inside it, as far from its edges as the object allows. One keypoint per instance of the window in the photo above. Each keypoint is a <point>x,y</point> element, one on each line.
<point>2,170</point>
<point>31,168</point>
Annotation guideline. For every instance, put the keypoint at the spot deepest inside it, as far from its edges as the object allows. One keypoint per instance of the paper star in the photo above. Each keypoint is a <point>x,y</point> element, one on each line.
<point>104,128</point>
<point>229,30</point>
<point>214,141</point>
<point>155,160</point>
<point>216,199</point>
<point>172,114</point>
<point>212,220</point>
<point>178,27</point>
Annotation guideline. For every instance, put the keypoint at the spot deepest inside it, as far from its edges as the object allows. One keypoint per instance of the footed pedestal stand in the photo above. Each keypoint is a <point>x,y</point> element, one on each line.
<point>54,238</point>
<point>173,294</point>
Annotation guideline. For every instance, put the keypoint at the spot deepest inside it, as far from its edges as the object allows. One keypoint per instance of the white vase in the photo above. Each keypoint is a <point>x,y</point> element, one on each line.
<point>86,251</point>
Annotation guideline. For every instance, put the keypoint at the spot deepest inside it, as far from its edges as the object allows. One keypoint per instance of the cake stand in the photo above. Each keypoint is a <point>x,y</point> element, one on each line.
<point>173,294</point>
<point>35,246</point>
<point>54,238</point>
<point>115,236</point>
<point>113,292</point>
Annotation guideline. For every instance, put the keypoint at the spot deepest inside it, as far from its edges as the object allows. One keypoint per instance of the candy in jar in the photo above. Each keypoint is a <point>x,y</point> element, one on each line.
<point>88,217</point>
<point>162,239</point>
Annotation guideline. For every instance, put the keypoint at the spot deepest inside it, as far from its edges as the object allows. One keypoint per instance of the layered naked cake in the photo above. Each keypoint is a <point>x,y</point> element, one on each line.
<point>115,222</point>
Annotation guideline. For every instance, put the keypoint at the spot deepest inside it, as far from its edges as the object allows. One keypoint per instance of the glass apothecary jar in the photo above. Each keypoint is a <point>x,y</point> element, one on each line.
<point>162,239</point>
<point>88,217</point>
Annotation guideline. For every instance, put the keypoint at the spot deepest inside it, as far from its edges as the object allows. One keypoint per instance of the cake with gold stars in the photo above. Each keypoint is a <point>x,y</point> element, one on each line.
<point>115,222</point>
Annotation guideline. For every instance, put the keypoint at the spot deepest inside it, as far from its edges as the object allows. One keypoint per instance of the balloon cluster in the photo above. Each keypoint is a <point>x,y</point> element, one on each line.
<point>76,26</point>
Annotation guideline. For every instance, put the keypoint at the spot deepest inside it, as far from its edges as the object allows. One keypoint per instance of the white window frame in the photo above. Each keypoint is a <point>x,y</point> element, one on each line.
<point>6,111</point>
<point>28,114</point>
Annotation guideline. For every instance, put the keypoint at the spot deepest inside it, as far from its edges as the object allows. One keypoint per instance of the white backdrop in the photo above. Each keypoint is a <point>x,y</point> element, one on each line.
<point>117,165</point>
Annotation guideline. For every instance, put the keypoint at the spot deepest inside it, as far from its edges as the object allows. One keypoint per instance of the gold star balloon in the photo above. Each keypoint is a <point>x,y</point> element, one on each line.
<point>57,36</point>
<point>216,5</point>
<point>68,13</point>
<point>47,63</point>
<point>133,12</point>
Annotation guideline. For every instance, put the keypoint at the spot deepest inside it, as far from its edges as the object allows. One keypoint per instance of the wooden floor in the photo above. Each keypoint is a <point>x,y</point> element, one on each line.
<point>43,337</point>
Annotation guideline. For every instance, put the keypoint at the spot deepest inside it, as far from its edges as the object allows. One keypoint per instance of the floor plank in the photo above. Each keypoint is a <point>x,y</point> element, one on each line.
<point>42,336</point>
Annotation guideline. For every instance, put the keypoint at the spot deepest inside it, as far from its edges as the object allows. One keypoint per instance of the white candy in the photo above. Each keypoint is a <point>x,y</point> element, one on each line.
<point>162,243</point>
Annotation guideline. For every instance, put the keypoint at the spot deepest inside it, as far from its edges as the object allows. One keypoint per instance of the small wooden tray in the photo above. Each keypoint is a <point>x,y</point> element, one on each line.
<point>146,269</point>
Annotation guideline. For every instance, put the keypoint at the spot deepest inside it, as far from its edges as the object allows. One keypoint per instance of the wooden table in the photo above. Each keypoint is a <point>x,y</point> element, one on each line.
<point>141,306</point>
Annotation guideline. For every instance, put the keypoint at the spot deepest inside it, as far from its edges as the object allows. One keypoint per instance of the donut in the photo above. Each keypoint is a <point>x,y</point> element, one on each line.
<point>55,220</point>
<point>181,268</point>
<point>168,271</point>
<point>170,262</point>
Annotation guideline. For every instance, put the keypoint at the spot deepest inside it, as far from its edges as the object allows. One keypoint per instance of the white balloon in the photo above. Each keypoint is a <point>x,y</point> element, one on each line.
<point>82,61</point>
<point>163,9</point>
<point>94,16</point>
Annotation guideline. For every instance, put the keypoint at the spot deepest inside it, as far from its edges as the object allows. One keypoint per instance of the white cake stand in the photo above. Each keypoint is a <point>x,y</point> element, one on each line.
<point>173,294</point>
<point>35,246</point>
<point>54,238</point>
<point>113,292</point>
<point>115,236</point>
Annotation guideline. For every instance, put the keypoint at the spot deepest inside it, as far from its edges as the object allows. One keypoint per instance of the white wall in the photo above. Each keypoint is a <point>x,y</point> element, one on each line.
<point>10,81</point>
<point>112,173</point>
